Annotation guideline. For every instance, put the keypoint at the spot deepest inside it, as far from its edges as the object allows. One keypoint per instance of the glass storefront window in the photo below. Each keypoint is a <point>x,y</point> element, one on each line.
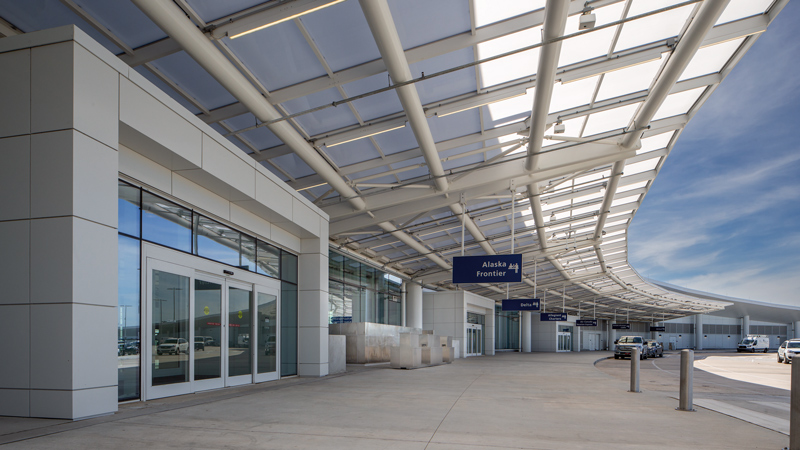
<point>267,320</point>
<point>248,257</point>
<point>268,262</point>
<point>362,293</point>
<point>288,267</point>
<point>170,328</point>
<point>166,223</point>
<point>128,207</point>
<point>216,241</point>
<point>129,323</point>
<point>288,329</point>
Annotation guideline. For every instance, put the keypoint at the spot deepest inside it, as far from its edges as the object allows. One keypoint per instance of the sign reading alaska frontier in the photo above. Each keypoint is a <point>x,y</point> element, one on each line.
<point>487,269</point>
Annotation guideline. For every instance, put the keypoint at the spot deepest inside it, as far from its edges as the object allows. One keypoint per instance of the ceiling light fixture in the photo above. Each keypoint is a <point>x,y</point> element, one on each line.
<point>333,142</point>
<point>477,101</point>
<point>291,11</point>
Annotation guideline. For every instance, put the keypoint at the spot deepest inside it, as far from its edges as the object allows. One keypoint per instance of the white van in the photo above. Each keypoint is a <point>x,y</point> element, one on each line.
<point>754,343</point>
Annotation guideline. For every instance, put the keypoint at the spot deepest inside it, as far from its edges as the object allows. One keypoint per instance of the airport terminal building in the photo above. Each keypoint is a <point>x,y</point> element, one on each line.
<point>225,189</point>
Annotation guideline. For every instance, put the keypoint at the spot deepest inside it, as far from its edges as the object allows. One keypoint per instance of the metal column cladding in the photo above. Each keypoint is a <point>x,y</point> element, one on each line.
<point>487,269</point>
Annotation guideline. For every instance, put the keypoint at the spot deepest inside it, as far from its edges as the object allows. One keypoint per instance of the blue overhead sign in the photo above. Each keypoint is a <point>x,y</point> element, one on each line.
<point>487,269</point>
<point>620,326</point>
<point>519,304</point>
<point>586,323</point>
<point>553,317</point>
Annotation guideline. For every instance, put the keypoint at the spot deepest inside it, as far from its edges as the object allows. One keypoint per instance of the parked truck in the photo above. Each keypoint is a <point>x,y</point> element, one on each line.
<point>754,343</point>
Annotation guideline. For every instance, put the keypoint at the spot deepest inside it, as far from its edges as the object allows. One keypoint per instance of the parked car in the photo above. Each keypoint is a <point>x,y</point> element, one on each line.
<point>209,340</point>
<point>625,345</point>
<point>788,350</point>
<point>173,345</point>
<point>199,343</point>
<point>654,348</point>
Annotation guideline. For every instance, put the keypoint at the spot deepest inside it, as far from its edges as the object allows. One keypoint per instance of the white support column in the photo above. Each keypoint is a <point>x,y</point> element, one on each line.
<point>525,326</point>
<point>403,287</point>
<point>796,330</point>
<point>611,336</point>
<point>413,305</point>
<point>312,307</point>
<point>745,326</point>
<point>58,230</point>
<point>698,332</point>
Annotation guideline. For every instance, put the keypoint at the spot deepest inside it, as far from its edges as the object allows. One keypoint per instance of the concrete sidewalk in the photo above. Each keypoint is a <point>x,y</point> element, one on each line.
<point>512,400</point>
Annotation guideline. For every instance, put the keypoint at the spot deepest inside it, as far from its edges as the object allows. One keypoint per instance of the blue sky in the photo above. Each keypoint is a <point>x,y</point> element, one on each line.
<point>723,215</point>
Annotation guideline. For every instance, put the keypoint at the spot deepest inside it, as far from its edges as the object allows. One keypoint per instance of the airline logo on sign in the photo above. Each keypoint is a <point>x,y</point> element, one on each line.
<point>487,269</point>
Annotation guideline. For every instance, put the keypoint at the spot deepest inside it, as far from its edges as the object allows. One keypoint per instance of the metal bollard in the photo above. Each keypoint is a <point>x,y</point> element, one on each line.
<point>794,416</point>
<point>635,370</point>
<point>687,371</point>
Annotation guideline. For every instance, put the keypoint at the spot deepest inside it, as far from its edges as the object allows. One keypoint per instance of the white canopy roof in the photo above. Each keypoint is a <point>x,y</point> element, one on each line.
<point>403,118</point>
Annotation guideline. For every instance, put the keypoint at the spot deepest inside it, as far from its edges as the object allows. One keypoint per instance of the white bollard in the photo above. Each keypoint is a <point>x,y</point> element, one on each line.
<point>635,370</point>
<point>687,371</point>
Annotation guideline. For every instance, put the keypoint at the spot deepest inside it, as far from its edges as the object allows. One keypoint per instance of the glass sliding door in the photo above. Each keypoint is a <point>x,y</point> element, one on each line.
<point>240,354</point>
<point>168,338</point>
<point>207,339</point>
<point>266,328</point>
<point>204,330</point>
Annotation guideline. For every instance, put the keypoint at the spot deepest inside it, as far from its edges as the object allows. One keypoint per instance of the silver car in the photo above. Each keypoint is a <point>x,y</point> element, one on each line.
<point>173,345</point>
<point>787,350</point>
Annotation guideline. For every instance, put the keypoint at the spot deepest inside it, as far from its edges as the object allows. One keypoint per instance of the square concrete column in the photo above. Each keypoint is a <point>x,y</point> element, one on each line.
<point>312,305</point>
<point>58,228</point>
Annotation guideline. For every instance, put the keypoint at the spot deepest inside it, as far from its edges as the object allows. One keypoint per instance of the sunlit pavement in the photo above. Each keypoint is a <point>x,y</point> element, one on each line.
<point>512,400</point>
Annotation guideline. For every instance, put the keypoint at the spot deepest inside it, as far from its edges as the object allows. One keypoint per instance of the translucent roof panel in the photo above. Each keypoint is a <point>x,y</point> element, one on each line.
<point>574,94</point>
<point>710,59</point>
<point>396,140</point>
<point>679,103</point>
<point>417,23</point>
<point>377,105</point>
<point>490,11</point>
<point>593,44</point>
<point>449,127</point>
<point>519,65</point>
<point>352,152</point>
<point>324,120</point>
<point>655,142</point>
<point>125,20</point>
<point>287,59</point>
<point>449,85</point>
<point>642,166</point>
<point>188,75</point>
<point>739,9</point>
<point>293,165</point>
<point>210,10</point>
<point>512,110</point>
<point>612,119</point>
<point>261,137</point>
<point>630,79</point>
<point>652,28</point>
<point>342,35</point>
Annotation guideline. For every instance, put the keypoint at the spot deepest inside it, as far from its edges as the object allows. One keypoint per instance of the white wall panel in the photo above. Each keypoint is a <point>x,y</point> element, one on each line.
<point>52,80</point>
<point>15,78</point>
<point>15,241</point>
<point>16,351</point>
<point>96,97</point>
<point>15,172</point>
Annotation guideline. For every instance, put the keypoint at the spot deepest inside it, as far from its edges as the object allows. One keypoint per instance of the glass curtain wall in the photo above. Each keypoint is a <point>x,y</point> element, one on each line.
<point>144,216</point>
<point>361,293</point>
<point>506,329</point>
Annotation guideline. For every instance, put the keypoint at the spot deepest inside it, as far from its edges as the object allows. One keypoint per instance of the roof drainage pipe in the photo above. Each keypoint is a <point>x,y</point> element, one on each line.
<point>170,18</point>
<point>379,18</point>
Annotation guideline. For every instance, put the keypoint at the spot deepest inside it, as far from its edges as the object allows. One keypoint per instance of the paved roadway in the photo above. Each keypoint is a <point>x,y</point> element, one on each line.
<point>512,400</point>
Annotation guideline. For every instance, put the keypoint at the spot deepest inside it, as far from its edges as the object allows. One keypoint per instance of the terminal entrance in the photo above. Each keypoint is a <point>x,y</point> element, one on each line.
<point>474,339</point>
<point>205,330</point>
<point>564,339</point>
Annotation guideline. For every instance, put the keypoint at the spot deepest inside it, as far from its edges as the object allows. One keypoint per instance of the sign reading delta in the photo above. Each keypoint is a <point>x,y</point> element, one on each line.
<point>487,269</point>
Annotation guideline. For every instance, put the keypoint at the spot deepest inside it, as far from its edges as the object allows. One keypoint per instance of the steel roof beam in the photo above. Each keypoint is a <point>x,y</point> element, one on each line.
<point>379,19</point>
<point>174,22</point>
